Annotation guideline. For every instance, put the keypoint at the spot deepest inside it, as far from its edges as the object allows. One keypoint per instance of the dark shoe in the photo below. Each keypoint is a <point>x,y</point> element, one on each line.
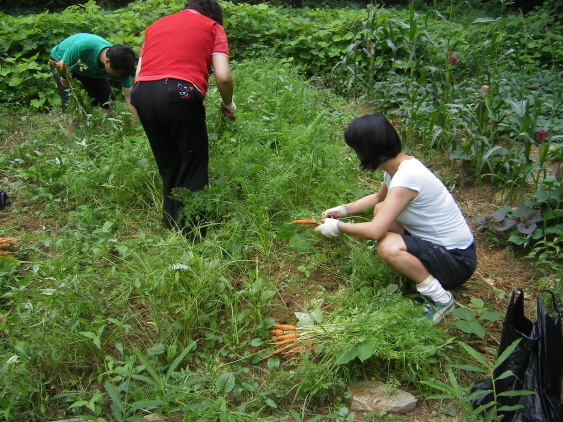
<point>435,311</point>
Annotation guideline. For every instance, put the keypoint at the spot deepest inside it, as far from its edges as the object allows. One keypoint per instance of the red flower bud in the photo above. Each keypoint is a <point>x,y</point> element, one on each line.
<point>452,59</point>
<point>541,135</point>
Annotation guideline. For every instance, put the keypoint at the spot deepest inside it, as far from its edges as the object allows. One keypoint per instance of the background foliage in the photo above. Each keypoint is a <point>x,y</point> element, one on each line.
<point>314,39</point>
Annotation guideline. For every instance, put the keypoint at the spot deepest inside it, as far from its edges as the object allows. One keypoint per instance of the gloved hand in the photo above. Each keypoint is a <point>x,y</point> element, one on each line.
<point>228,109</point>
<point>329,228</point>
<point>336,212</point>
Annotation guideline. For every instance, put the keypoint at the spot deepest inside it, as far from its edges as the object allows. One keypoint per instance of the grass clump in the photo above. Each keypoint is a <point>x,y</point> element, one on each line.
<point>110,316</point>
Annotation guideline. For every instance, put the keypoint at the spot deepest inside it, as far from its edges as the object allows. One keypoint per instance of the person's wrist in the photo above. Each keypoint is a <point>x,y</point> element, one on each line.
<point>228,109</point>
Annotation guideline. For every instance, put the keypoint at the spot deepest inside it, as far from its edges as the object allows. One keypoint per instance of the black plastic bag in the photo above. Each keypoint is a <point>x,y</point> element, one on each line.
<point>4,201</point>
<point>544,373</point>
<point>536,364</point>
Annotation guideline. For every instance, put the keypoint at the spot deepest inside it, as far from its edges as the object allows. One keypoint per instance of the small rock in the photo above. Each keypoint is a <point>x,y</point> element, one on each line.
<point>371,396</point>
<point>155,417</point>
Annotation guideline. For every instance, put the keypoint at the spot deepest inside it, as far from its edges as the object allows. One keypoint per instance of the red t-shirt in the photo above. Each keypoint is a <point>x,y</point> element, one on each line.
<point>180,46</point>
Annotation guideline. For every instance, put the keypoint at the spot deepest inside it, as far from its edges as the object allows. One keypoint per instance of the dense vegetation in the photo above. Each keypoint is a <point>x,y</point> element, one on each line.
<point>107,315</point>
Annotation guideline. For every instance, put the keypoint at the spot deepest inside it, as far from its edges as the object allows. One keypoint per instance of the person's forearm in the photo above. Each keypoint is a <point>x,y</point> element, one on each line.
<point>226,88</point>
<point>366,231</point>
<point>139,63</point>
<point>367,203</point>
<point>223,77</point>
<point>127,95</point>
<point>361,205</point>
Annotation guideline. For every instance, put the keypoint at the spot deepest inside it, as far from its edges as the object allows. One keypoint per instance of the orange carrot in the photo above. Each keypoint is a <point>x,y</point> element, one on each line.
<point>276,332</point>
<point>285,327</point>
<point>282,342</point>
<point>304,221</point>
<point>8,242</point>
<point>286,336</point>
<point>276,352</point>
<point>293,350</point>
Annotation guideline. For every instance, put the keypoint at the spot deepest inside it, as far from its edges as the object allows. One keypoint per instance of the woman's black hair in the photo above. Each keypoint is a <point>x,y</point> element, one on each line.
<point>374,140</point>
<point>122,59</point>
<point>209,8</point>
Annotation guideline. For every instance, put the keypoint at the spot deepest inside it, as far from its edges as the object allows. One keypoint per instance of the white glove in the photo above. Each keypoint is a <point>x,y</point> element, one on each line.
<point>336,212</point>
<point>228,109</point>
<point>329,228</point>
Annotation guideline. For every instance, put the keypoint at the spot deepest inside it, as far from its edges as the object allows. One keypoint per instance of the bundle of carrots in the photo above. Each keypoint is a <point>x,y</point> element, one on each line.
<point>284,335</point>
<point>390,328</point>
<point>7,244</point>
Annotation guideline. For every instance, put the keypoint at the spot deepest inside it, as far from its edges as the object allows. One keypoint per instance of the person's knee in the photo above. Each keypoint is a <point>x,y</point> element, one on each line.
<point>388,248</point>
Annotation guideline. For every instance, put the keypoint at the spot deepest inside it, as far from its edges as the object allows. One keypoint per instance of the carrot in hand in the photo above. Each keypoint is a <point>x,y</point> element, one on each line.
<point>304,221</point>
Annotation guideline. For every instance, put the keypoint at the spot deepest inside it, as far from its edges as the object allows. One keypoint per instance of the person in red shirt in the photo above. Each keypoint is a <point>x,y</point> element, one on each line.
<point>170,86</point>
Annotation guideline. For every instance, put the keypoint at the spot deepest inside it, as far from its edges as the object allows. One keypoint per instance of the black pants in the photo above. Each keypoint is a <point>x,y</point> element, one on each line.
<point>99,90</point>
<point>173,117</point>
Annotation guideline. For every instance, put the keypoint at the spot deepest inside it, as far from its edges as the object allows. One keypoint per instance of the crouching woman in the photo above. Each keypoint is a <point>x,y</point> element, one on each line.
<point>420,231</point>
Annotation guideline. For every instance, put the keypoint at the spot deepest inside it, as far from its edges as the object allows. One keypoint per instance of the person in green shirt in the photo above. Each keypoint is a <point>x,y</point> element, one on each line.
<point>92,60</point>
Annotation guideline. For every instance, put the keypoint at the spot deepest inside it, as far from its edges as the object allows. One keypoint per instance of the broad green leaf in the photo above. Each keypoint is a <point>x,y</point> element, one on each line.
<point>477,303</point>
<point>148,367</point>
<point>478,394</point>
<point>471,368</point>
<point>506,353</point>
<point>253,168</point>
<point>475,355</point>
<point>345,356</point>
<point>256,342</point>
<point>146,379</point>
<point>516,393</point>
<point>365,349</point>
<point>490,316</point>
<point>509,408</point>
<point>464,313</point>
<point>117,405</point>
<point>180,358</point>
<point>484,407</point>
<point>471,327</point>
<point>146,404</point>
<point>226,383</point>
<point>440,386</point>
<point>271,403</point>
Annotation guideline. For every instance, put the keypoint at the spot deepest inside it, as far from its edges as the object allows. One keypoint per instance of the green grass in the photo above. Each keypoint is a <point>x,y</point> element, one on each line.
<point>106,313</point>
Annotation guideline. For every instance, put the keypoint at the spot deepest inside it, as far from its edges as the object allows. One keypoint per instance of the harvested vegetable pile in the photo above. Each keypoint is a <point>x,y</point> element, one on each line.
<point>7,245</point>
<point>391,327</point>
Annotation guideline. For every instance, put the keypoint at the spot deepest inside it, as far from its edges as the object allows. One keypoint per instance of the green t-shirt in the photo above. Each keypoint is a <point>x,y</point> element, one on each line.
<point>80,54</point>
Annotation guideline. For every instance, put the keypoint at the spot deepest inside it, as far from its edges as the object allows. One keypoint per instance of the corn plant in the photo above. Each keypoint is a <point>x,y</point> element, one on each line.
<point>452,389</point>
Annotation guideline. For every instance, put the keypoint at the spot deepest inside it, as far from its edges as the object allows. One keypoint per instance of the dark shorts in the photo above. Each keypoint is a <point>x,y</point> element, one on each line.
<point>451,267</point>
<point>99,90</point>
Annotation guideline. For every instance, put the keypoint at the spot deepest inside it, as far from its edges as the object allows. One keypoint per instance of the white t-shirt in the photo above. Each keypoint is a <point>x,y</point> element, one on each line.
<point>433,215</point>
